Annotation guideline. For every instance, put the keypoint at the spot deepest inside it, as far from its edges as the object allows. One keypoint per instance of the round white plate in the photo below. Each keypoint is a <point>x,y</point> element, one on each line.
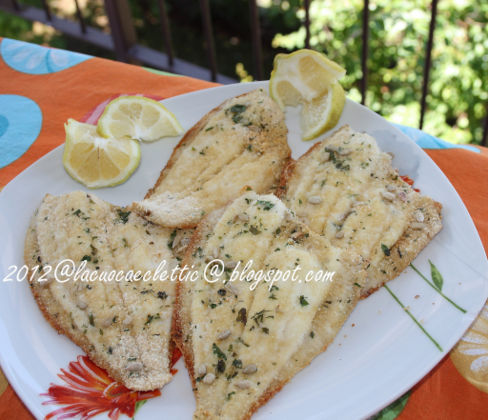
<point>369,364</point>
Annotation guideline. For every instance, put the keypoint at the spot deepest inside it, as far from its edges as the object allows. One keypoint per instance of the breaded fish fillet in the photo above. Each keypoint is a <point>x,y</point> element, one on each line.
<point>345,189</point>
<point>240,143</point>
<point>123,326</point>
<point>242,345</point>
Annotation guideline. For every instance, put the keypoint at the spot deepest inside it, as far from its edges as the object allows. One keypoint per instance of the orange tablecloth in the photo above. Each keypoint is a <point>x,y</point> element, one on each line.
<point>66,86</point>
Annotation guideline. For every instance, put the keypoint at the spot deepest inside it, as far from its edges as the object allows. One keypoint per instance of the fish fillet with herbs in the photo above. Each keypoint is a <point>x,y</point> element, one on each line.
<point>124,326</point>
<point>242,345</point>
<point>242,142</point>
<point>345,189</point>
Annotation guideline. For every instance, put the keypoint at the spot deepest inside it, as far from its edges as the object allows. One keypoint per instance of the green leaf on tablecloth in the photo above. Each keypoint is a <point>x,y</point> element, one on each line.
<point>436,276</point>
<point>139,404</point>
<point>393,410</point>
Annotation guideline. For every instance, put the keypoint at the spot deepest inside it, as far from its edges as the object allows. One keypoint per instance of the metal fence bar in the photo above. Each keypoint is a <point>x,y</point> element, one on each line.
<point>121,27</point>
<point>484,139</point>
<point>207,29</point>
<point>79,15</point>
<point>166,32</point>
<point>364,53</point>
<point>256,40</point>
<point>15,5</point>
<point>153,58</point>
<point>428,63</point>
<point>93,36</point>
<point>47,10</point>
<point>307,23</point>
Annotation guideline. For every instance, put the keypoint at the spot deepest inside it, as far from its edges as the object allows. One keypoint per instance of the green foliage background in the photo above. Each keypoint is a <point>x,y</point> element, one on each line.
<point>459,76</point>
<point>458,96</point>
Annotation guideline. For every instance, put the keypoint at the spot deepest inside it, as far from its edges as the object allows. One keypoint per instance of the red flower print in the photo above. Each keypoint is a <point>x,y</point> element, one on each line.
<point>89,391</point>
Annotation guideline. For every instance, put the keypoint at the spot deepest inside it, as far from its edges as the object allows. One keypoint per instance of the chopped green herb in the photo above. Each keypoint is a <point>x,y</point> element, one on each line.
<point>171,239</point>
<point>385,250</point>
<point>266,205</point>
<point>242,316</point>
<point>303,300</point>
<point>238,109</point>
<point>259,317</point>
<point>219,353</point>
<point>221,366</point>
<point>150,318</point>
<point>339,164</point>
<point>123,215</point>
<point>254,230</point>
<point>242,342</point>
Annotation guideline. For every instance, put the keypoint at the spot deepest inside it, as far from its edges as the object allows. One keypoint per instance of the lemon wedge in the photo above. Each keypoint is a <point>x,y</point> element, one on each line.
<point>308,78</point>
<point>139,118</point>
<point>96,161</point>
<point>322,113</point>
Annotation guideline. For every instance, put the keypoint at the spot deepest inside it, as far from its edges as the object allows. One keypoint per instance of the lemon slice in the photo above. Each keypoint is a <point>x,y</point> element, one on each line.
<point>302,76</point>
<point>96,161</point>
<point>137,117</point>
<point>322,113</point>
<point>308,78</point>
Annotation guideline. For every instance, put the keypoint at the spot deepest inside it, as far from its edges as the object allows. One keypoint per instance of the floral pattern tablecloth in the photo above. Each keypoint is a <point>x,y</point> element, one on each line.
<point>40,88</point>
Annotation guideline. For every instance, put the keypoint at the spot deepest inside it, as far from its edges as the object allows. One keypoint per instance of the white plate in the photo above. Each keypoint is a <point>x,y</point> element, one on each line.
<point>368,365</point>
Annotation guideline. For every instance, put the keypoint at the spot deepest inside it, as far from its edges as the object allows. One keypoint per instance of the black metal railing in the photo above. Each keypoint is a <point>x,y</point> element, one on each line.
<point>123,41</point>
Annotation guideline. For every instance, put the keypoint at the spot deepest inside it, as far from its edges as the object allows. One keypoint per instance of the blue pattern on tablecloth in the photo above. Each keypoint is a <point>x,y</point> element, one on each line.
<point>20,124</point>
<point>426,141</point>
<point>35,59</point>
